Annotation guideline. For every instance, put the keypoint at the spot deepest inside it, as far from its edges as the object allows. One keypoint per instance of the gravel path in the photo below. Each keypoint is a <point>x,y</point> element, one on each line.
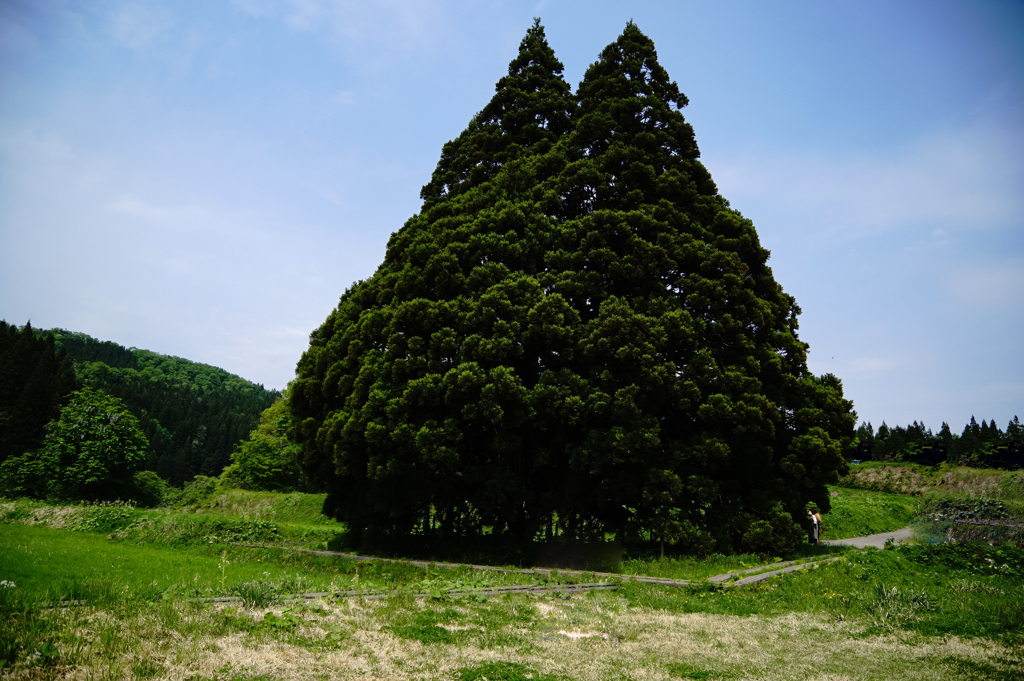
<point>876,540</point>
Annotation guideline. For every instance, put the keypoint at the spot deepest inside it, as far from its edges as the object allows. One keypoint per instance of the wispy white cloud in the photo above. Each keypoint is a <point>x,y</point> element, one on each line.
<point>181,217</point>
<point>352,19</point>
<point>373,32</point>
<point>345,97</point>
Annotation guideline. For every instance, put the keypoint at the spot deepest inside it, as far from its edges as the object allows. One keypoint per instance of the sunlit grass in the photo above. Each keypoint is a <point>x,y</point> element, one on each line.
<point>67,564</point>
<point>857,513</point>
<point>974,598</point>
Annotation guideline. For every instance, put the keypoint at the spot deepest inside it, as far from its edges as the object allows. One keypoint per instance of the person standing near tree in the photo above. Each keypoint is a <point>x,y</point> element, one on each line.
<point>812,510</point>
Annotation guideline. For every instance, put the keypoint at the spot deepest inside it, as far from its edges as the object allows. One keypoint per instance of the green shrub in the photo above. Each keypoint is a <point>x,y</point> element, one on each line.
<point>193,492</point>
<point>105,518</point>
<point>892,607</point>
<point>148,489</point>
<point>267,461</point>
<point>257,593</point>
<point>777,536</point>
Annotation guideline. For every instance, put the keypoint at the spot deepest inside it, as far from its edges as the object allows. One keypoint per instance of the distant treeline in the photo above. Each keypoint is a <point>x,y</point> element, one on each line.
<point>979,445</point>
<point>192,414</point>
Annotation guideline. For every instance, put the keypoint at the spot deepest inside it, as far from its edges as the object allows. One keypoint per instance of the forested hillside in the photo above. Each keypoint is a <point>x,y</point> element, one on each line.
<point>192,414</point>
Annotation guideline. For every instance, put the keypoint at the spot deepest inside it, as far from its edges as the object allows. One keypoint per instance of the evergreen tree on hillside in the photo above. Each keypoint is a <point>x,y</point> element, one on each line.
<point>576,327</point>
<point>1009,454</point>
<point>865,442</point>
<point>85,348</point>
<point>945,434</point>
<point>1015,431</point>
<point>36,380</point>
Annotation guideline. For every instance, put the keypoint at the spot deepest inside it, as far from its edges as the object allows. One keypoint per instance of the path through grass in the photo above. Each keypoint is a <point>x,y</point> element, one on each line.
<point>858,513</point>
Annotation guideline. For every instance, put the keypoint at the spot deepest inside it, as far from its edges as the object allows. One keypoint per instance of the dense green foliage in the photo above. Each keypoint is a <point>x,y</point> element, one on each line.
<point>575,336</point>
<point>36,380</point>
<point>268,460</point>
<point>192,414</point>
<point>978,446</point>
<point>90,452</point>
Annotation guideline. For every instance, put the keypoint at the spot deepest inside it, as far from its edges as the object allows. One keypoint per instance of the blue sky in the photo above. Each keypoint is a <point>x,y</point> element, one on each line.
<point>205,178</point>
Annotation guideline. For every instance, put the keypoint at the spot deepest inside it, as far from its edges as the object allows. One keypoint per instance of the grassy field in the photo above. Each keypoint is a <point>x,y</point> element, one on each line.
<point>914,612</point>
<point>57,565</point>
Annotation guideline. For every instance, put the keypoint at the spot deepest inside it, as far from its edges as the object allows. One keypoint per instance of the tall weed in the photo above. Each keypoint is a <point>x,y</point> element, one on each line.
<point>892,607</point>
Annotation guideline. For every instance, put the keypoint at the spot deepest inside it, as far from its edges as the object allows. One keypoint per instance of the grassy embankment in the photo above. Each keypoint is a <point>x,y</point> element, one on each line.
<point>857,513</point>
<point>908,478</point>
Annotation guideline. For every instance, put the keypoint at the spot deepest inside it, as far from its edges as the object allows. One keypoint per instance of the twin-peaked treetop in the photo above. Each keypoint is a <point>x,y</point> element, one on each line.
<point>575,335</point>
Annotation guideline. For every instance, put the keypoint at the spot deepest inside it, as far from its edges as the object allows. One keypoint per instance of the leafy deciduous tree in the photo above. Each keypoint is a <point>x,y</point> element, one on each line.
<point>267,461</point>
<point>90,452</point>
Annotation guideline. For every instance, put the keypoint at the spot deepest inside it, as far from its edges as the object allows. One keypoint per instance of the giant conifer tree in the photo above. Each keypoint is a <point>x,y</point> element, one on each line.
<point>576,326</point>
